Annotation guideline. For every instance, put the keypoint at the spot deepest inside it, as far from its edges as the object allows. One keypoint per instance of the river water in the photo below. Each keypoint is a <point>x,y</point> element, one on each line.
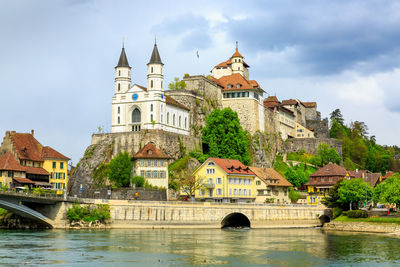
<point>197,247</point>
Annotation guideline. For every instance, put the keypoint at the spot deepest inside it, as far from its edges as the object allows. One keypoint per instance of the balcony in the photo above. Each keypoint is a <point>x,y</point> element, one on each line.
<point>209,185</point>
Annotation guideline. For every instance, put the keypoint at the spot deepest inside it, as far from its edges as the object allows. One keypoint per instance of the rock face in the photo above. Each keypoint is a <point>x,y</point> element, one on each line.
<point>264,147</point>
<point>94,155</point>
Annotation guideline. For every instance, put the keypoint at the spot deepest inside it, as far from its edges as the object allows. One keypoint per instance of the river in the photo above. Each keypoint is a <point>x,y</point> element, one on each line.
<point>197,247</point>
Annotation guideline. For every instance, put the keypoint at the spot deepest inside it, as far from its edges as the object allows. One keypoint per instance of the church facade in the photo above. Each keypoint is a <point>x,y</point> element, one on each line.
<point>136,108</point>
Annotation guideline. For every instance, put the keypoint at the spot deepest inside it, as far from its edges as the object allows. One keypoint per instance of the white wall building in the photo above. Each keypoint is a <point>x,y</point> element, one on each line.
<point>135,107</point>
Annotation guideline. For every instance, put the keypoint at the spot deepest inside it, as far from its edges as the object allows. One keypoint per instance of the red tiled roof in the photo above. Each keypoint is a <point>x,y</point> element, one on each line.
<point>289,102</point>
<point>50,153</point>
<point>309,104</point>
<point>388,175</point>
<point>169,100</point>
<point>326,182</point>
<point>23,180</point>
<point>237,54</point>
<point>235,79</point>
<point>36,170</point>
<point>331,169</point>
<point>9,163</point>
<point>150,151</point>
<point>224,64</point>
<point>266,174</point>
<point>232,166</point>
<point>27,146</point>
<point>272,99</point>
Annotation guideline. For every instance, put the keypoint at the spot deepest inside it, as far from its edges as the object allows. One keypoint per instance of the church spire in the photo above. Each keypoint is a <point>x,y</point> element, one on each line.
<point>123,61</point>
<point>155,56</point>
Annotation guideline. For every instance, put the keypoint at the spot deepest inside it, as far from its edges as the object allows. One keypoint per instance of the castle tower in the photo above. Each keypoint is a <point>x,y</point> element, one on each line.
<point>122,74</point>
<point>237,63</point>
<point>155,76</point>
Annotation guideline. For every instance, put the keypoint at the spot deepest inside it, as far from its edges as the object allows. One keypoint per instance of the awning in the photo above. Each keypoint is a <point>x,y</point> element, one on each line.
<point>43,184</point>
<point>23,181</point>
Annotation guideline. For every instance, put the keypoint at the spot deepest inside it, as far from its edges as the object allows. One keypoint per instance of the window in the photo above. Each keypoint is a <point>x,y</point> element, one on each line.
<point>210,180</point>
<point>1,173</point>
<point>167,117</point>
<point>119,73</point>
<point>238,85</point>
<point>154,174</point>
<point>10,174</point>
<point>219,180</point>
<point>119,120</point>
<point>244,181</point>
<point>148,174</point>
<point>210,163</point>
<point>151,83</point>
<point>245,192</point>
<point>249,192</point>
<point>235,191</point>
<point>148,163</point>
<point>249,181</point>
<point>173,120</point>
<point>179,124</point>
<point>61,165</point>
<point>219,191</point>
<point>136,116</point>
<point>230,191</point>
<point>142,173</point>
<point>54,165</point>
<point>119,87</point>
<point>210,171</point>
<point>235,180</point>
<point>119,110</point>
<point>151,69</point>
<point>151,107</point>
<point>258,182</point>
<point>151,118</point>
<point>142,162</point>
<point>240,191</point>
<point>162,174</point>
<point>155,163</point>
<point>161,162</point>
<point>240,180</point>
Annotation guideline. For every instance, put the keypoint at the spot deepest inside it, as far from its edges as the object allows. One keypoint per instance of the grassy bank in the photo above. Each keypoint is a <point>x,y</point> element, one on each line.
<point>343,218</point>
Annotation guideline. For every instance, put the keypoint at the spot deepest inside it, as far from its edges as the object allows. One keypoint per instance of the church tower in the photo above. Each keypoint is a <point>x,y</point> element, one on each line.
<point>122,74</point>
<point>155,76</point>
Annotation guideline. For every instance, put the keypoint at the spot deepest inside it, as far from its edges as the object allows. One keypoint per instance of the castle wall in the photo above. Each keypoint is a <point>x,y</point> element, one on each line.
<point>321,128</point>
<point>310,145</point>
<point>247,110</point>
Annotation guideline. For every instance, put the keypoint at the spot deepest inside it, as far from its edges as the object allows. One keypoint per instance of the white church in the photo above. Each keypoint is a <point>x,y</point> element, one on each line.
<point>135,108</point>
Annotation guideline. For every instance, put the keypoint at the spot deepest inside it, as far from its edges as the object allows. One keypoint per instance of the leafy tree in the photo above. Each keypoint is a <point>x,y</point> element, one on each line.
<point>189,183</point>
<point>332,199</point>
<point>296,177</point>
<point>177,84</point>
<point>120,170</point>
<point>225,137</point>
<point>328,154</point>
<point>294,196</point>
<point>337,116</point>
<point>354,190</point>
<point>139,181</point>
<point>100,174</point>
<point>389,191</point>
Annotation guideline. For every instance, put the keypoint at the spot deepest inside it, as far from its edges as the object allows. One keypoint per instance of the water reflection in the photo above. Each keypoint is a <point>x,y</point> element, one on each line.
<point>185,247</point>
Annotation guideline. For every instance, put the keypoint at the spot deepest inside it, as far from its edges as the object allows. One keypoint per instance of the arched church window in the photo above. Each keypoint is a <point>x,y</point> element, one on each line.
<point>119,121</point>
<point>129,73</point>
<point>173,120</point>
<point>119,87</point>
<point>119,110</point>
<point>167,117</point>
<point>151,107</point>
<point>185,123</point>
<point>161,84</point>
<point>151,69</point>
<point>119,73</point>
<point>151,118</point>
<point>151,83</point>
<point>136,116</point>
<point>179,124</point>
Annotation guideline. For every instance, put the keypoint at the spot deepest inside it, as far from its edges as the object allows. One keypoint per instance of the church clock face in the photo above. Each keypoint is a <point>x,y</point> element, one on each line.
<point>134,97</point>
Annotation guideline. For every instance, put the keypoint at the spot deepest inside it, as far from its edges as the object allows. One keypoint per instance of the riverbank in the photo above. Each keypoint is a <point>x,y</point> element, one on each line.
<point>363,226</point>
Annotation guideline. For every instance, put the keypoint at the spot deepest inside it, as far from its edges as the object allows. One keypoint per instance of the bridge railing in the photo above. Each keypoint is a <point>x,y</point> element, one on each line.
<point>32,194</point>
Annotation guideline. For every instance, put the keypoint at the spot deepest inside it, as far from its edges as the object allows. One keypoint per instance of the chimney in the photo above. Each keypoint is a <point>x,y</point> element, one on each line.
<point>32,132</point>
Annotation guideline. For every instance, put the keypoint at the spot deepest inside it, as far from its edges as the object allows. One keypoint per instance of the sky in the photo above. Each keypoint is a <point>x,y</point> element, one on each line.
<point>57,58</point>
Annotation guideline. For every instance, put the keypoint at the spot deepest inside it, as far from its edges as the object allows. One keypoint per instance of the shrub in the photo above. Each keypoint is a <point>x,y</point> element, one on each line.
<point>357,214</point>
<point>294,195</point>
<point>337,212</point>
<point>89,213</point>
<point>139,181</point>
<point>199,156</point>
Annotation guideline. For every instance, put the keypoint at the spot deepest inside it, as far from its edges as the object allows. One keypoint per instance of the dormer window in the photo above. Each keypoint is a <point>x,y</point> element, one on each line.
<point>149,152</point>
<point>210,163</point>
<point>238,85</point>
<point>230,86</point>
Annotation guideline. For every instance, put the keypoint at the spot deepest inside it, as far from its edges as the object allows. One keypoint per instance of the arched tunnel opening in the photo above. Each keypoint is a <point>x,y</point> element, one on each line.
<point>324,219</point>
<point>236,220</point>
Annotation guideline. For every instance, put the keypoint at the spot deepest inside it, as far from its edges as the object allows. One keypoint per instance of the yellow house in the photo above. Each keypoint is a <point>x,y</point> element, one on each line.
<point>57,165</point>
<point>225,180</point>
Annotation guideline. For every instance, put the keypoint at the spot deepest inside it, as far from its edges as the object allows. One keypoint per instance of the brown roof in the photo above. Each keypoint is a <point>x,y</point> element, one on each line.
<point>23,180</point>
<point>50,153</point>
<point>9,163</point>
<point>237,54</point>
<point>36,170</point>
<point>27,146</point>
<point>224,64</point>
<point>331,169</point>
<point>232,166</point>
<point>309,104</point>
<point>388,174</point>
<point>266,174</point>
<point>289,102</point>
<point>372,178</point>
<point>141,87</point>
<point>169,100</point>
<point>272,98</point>
<point>235,79</point>
<point>150,151</point>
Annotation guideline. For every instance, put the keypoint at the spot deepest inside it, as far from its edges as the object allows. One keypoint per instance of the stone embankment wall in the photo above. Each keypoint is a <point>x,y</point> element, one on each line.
<point>127,194</point>
<point>363,227</point>
<point>310,145</point>
<point>135,214</point>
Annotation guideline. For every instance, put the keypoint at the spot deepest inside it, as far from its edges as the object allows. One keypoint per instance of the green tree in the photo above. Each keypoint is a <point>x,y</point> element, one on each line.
<point>225,137</point>
<point>390,190</point>
<point>294,196</point>
<point>177,84</point>
<point>139,181</point>
<point>332,199</point>
<point>337,116</point>
<point>328,154</point>
<point>296,177</point>
<point>120,170</point>
<point>353,191</point>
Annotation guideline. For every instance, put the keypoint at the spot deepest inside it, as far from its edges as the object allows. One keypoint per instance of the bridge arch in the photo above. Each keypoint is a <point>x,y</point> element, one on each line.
<point>324,219</point>
<point>235,219</point>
